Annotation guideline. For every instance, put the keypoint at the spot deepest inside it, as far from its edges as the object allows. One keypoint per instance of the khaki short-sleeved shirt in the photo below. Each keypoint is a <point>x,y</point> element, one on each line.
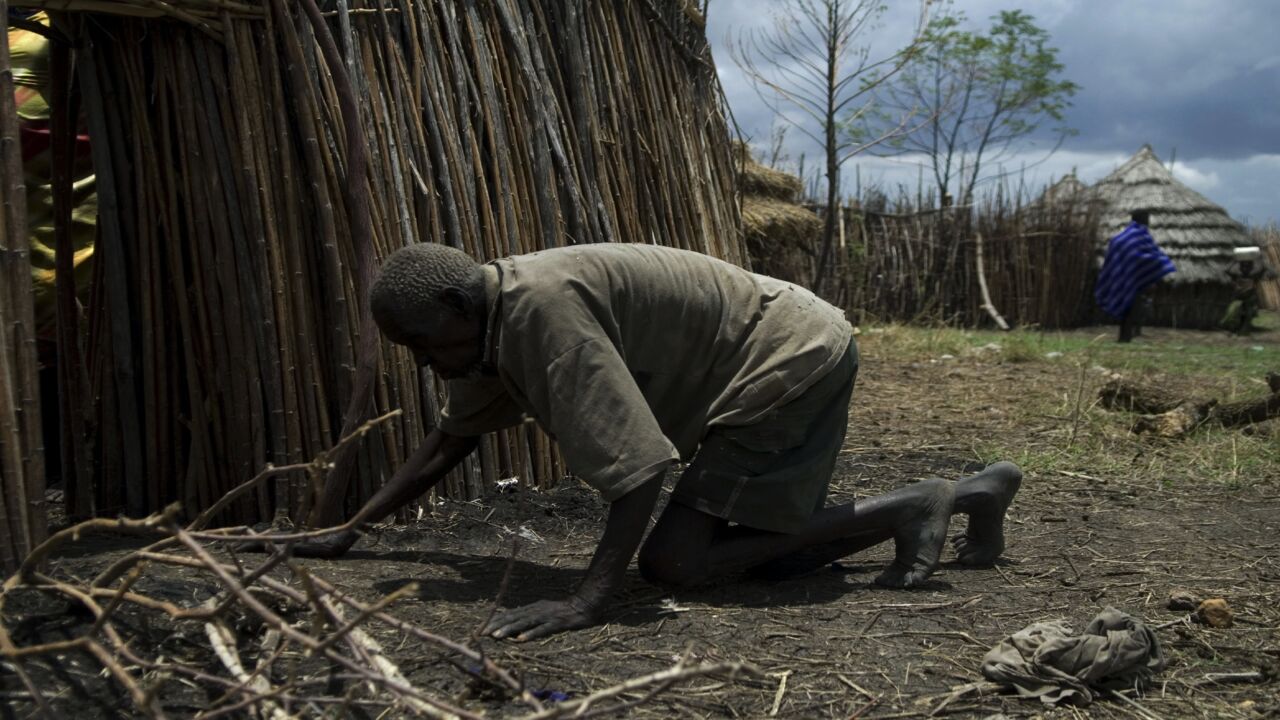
<point>629,354</point>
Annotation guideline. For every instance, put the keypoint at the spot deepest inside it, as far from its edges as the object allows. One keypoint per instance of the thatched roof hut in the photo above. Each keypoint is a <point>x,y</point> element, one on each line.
<point>1066,190</point>
<point>780,234</point>
<point>1194,231</point>
<point>255,160</point>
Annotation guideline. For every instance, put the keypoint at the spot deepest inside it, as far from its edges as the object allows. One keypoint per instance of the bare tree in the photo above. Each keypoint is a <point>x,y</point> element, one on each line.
<point>777,143</point>
<point>817,59</point>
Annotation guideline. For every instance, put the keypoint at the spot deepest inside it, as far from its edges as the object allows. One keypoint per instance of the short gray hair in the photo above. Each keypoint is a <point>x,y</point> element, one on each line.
<point>412,281</point>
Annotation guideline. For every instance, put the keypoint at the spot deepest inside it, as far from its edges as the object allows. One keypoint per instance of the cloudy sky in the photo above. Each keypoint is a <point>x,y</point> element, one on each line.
<point>1197,79</point>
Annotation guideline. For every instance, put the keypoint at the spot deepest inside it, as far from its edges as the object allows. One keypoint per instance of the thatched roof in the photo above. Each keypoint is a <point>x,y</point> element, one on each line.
<point>1197,234</point>
<point>1068,189</point>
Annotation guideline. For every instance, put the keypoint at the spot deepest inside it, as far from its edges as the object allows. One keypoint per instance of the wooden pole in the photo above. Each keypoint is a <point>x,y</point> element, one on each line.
<point>356,194</point>
<point>21,441</point>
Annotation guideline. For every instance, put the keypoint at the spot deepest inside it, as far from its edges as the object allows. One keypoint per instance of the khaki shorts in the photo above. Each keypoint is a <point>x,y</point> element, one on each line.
<point>773,475</point>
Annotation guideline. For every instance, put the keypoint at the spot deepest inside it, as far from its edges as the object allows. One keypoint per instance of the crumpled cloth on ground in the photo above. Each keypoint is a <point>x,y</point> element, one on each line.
<point>1047,660</point>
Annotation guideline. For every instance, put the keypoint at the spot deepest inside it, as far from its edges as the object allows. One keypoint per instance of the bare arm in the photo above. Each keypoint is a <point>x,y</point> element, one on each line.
<point>428,465</point>
<point>628,518</point>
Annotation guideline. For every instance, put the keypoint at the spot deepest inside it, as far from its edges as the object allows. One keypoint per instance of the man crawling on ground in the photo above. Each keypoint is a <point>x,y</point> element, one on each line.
<point>636,357</point>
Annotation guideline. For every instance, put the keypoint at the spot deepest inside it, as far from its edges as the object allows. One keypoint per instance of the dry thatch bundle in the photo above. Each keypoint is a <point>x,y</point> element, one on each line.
<point>228,325</point>
<point>756,180</point>
<point>1197,234</point>
<point>782,222</point>
<point>780,235</point>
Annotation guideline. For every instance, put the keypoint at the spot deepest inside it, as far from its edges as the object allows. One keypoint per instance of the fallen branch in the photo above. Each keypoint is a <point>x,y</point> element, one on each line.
<point>1168,415</point>
<point>270,609</point>
<point>579,707</point>
<point>987,305</point>
<point>1253,676</point>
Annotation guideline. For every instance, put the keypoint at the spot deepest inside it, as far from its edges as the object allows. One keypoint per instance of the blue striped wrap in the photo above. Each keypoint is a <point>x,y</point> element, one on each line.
<point>1133,262</point>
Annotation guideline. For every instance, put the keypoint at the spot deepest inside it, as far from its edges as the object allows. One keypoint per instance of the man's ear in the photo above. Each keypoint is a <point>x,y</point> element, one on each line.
<point>457,301</point>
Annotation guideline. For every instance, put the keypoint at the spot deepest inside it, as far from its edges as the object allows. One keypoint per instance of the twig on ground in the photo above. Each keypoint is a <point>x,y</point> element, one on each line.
<point>777,696</point>
<point>670,675</point>
<point>1137,707</point>
<point>1253,676</point>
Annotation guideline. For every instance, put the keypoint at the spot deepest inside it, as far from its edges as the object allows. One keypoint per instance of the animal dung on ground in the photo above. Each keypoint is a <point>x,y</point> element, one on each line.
<point>1215,612</point>
<point>1183,599</point>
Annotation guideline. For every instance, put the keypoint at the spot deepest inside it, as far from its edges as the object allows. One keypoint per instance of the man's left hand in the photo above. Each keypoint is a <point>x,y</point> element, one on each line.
<point>540,619</point>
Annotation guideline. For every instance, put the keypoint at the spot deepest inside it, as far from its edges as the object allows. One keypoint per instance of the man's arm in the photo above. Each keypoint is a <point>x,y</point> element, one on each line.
<point>628,518</point>
<point>429,464</point>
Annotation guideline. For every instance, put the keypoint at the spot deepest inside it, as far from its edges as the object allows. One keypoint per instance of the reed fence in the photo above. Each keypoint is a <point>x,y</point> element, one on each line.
<point>901,263</point>
<point>235,146</point>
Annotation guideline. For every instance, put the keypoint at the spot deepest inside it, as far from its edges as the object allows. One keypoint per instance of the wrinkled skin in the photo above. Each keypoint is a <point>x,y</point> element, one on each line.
<point>540,619</point>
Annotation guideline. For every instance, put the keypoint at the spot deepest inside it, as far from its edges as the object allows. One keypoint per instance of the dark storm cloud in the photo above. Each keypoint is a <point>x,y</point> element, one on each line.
<point>1203,77</point>
<point>1199,77</point>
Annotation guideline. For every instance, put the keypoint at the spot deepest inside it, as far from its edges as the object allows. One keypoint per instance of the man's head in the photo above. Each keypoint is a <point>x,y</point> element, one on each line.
<point>431,299</point>
<point>1142,216</point>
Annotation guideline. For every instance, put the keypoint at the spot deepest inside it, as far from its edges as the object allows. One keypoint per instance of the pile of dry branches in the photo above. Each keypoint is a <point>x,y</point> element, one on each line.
<point>263,635</point>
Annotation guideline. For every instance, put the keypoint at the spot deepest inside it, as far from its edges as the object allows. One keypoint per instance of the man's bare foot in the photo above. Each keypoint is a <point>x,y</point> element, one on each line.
<point>985,498</point>
<point>919,541</point>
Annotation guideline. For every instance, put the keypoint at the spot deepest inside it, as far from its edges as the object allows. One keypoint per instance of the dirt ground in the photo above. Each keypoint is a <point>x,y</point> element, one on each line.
<point>831,644</point>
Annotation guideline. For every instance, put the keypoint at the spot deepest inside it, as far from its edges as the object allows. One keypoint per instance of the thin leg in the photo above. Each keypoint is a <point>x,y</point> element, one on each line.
<point>1126,327</point>
<point>984,497</point>
<point>688,546</point>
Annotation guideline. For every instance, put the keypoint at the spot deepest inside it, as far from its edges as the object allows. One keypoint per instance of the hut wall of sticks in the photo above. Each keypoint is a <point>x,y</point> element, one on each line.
<point>899,262</point>
<point>255,159</point>
<point>1269,289</point>
<point>22,511</point>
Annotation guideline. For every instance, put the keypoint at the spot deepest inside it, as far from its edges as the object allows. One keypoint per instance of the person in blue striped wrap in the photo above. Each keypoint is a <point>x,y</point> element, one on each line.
<point>1133,263</point>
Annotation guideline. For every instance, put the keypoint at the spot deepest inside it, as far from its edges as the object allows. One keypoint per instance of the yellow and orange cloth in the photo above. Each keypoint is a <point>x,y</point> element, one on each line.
<point>29,56</point>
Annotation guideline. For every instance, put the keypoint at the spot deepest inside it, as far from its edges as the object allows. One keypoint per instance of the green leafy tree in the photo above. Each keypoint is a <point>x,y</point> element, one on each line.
<point>979,96</point>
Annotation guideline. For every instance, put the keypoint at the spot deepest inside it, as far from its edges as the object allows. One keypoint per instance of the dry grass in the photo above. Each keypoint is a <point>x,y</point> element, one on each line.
<point>1090,439</point>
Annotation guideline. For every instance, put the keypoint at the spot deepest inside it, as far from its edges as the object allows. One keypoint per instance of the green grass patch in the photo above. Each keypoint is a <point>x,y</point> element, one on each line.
<point>1212,355</point>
